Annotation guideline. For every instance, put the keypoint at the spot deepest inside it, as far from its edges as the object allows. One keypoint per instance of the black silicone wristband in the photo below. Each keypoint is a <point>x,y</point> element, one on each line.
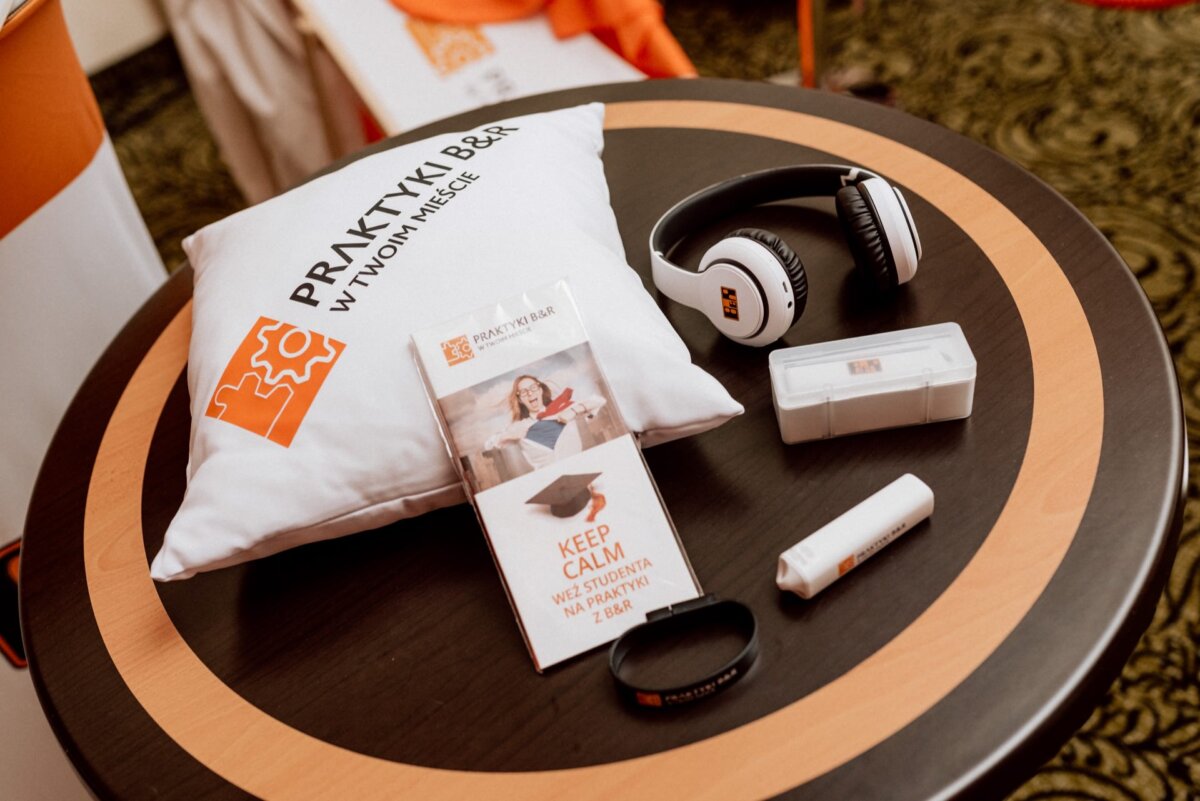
<point>663,621</point>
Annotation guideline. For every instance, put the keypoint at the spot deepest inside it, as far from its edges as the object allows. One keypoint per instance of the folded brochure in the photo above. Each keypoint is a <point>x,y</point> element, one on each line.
<point>574,521</point>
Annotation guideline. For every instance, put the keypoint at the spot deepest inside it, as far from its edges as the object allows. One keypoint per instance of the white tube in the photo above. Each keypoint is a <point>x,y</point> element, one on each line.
<point>830,552</point>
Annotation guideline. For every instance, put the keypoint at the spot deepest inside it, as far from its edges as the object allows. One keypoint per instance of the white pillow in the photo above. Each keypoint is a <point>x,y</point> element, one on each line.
<point>309,418</point>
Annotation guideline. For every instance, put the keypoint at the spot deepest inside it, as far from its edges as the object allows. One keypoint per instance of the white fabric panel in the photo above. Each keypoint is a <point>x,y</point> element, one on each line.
<point>72,275</point>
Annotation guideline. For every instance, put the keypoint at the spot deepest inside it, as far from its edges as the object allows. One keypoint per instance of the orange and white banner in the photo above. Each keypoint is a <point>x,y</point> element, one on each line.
<point>412,70</point>
<point>76,260</point>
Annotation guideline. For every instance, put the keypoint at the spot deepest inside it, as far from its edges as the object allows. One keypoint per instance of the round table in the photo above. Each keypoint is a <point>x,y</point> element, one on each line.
<point>388,664</point>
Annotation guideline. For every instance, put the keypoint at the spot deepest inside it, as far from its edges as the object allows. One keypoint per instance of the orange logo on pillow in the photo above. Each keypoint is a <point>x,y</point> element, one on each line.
<point>449,47</point>
<point>273,378</point>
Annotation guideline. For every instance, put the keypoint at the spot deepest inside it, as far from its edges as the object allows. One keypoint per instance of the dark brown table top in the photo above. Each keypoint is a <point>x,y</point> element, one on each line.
<point>388,665</point>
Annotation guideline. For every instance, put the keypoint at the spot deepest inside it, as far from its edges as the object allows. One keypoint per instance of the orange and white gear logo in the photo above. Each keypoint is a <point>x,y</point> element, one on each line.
<point>448,47</point>
<point>273,378</point>
<point>457,351</point>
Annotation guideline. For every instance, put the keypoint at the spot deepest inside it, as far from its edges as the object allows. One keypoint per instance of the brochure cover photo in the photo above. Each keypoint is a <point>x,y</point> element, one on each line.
<point>530,417</point>
<point>572,516</point>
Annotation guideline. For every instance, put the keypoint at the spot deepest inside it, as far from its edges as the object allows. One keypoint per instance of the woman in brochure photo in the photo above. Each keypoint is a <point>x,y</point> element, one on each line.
<point>537,415</point>
<point>541,421</point>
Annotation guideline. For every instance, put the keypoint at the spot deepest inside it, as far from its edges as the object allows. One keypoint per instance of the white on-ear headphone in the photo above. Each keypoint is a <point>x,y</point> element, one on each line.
<point>750,284</point>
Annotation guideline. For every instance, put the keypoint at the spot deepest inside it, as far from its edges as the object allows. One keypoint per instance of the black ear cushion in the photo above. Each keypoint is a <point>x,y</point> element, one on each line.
<point>865,237</point>
<point>788,258</point>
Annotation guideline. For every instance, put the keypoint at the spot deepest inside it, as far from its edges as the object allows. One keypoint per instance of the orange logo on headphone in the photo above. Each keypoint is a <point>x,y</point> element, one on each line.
<point>729,303</point>
<point>273,378</point>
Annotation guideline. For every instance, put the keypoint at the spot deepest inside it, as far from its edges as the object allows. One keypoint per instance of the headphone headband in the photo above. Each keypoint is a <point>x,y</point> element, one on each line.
<point>746,191</point>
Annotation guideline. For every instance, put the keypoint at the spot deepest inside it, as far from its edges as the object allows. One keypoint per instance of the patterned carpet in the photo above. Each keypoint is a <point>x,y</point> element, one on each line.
<point>165,149</point>
<point>1102,104</point>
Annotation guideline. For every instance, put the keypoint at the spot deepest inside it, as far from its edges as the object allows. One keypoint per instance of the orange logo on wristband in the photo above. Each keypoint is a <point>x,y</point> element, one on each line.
<point>273,378</point>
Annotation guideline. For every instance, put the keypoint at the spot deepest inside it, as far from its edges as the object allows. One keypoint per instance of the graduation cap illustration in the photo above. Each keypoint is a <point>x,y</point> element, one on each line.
<point>567,494</point>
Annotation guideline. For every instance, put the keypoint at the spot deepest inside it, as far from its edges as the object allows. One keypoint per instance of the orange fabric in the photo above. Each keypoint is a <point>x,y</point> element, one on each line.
<point>372,130</point>
<point>808,55</point>
<point>470,12</point>
<point>633,29</point>
<point>49,118</point>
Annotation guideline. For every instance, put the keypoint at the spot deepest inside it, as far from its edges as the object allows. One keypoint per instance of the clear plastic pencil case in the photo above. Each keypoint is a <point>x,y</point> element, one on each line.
<point>898,378</point>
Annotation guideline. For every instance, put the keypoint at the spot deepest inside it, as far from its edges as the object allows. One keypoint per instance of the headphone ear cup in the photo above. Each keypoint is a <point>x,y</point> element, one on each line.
<point>788,259</point>
<point>865,237</point>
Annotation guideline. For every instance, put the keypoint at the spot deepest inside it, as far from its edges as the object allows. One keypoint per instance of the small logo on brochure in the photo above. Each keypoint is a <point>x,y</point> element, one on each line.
<point>457,351</point>
<point>729,303</point>
<point>273,378</point>
<point>466,347</point>
<point>449,47</point>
